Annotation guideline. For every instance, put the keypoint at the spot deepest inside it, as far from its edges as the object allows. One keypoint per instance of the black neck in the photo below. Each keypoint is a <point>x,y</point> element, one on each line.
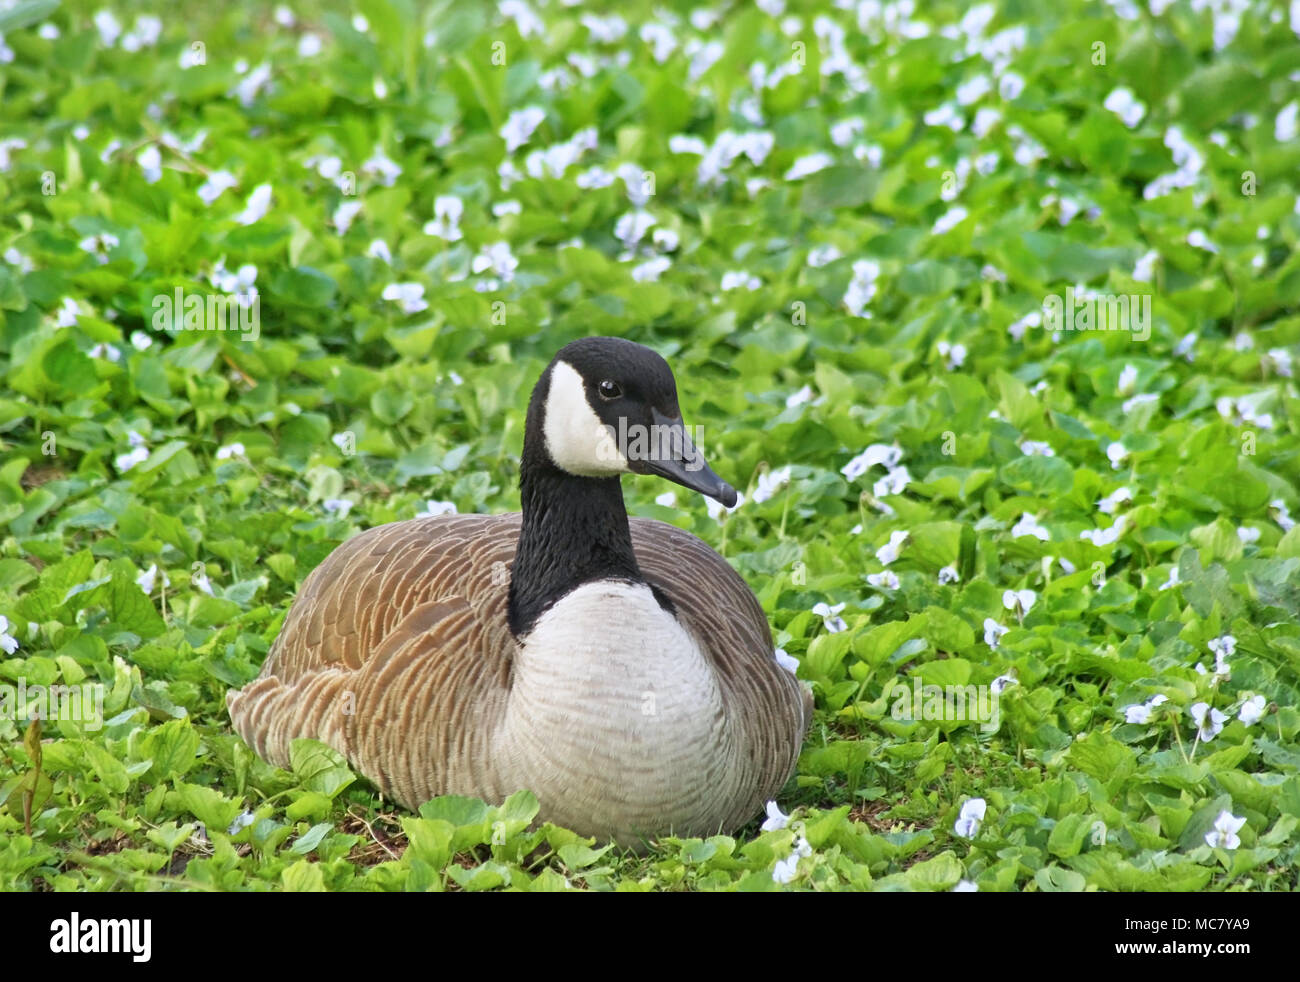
<point>574,531</point>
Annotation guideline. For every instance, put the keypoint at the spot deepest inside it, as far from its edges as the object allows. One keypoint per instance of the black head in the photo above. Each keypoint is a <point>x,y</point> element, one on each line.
<point>608,406</point>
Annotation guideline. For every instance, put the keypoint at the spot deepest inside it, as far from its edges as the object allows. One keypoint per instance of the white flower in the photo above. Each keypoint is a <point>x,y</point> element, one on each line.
<point>862,287</point>
<point>1252,710</point>
<point>381,167</point>
<point>822,255</point>
<point>877,453</point>
<point>955,353</point>
<point>594,177</point>
<point>650,270</point>
<point>968,822</point>
<point>993,632</point>
<point>106,351</point>
<point>232,450</point>
<point>1126,106</point>
<point>108,27</point>
<point>804,395</point>
<point>218,183</point>
<point>1116,452</point>
<point>830,617</point>
<point>1209,722</point>
<point>738,279</point>
<point>1010,86</point>
<point>496,258</point>
<point>1145,267</point>
<point>344,215</point>
<point>436,508</point>
<point>786,660</point>
<point>785,869</point>
<point>887,580</point>
<point>7,641</point>
<point>717,511</point>
<point>201,581</point>
<point>1285,126</point>
<point>946,115</point>
<point>1036,448</point>
<point>948,574</point>
<point>124,462</point>
<point>1108,504</point>
<point>378,249</point>
<point>949,220</point>
<point>337,506</point>
<point>668,499</point>
<point>309,46</point>
<point>1022,599</point>
<point>1127,380</point>
<point>810,164</point>
<point>141,341</point>
<point>665,239</point>
<point>965,886</point>
<point>890,550</point>
<point>1224,835</point>
<point>771,482</point>
<point>1199,240</point>
<point>632,227</point>
<point>894,482</point>
<point>1141,714</point>
<point>1001,683</point>
<point>447,210</point>
<point>1028,525</point>
<point>146,580</point>
<point>519,128</point>
<point>776,819</point>
<point>257,205</point>
<point>1222,647</point>
<point>1173,579</point>
<point>409,295</point>
<point>1104,537</point>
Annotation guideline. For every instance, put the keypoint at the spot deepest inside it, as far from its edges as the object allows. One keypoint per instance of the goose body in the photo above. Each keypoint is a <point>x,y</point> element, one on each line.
<point>621,670</point>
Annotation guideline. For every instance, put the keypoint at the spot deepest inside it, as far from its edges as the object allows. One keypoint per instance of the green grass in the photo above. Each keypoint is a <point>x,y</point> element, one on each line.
<point>865,277</point>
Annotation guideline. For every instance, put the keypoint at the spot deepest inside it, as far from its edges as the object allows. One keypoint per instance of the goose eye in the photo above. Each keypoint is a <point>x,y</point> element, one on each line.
<point>609,389</point>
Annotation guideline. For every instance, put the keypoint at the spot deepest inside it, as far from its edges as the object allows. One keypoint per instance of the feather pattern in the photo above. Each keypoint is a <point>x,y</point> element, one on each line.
<point>398,653</point>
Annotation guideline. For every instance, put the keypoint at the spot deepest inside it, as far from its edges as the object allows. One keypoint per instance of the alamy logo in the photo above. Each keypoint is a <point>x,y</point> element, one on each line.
<point>948,703</point>
<point>82,703</point>
<point>72,936</point>
<point>1098,312</point>
<point>659,441</point>
<point>181,311</point>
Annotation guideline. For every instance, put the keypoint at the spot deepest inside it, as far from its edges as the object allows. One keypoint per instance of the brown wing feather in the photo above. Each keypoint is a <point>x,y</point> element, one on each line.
<point>403,614</point>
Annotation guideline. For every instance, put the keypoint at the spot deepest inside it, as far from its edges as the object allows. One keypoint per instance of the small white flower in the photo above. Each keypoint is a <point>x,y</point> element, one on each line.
<point>650,270</point>
<point>436,508</point>
<point>409,295</point>
<point>1104,537</point>
<point>1199,240</point>
<point>108,26</point>
<point>447,211</point>
<point>894,482</point>
<point>776,819</point>
<point>1116,453</point>
<point>1252,710</point>
<point>890,550</point>
<point>993,632</point>
<point>257,205</point>
<point>201,581</point>
<point>378,249</point>
<point>1127,380</point>
<point>1224,646</point>
<point>1019,599</point>
<point>1028,525</point>
<point>232,450</point>
<point>146,580</point>
<point>1036,448</point>
<point>830,617</point>
<point>739,279</point>
<point>1000,684</point>
<point>7,641</point>
<point>1108,504</point>
<point>344,215</point>
<point>1145,267</point>
<point>217,184</point>
<point>965,886</point>
<point>787,661</point>
<point>1224,835</point>
<point>124,462</point>
<point>949,220</point>
<point>1209,722</point>
<point>518,129</point>
<point>877,453</point>
<point>1126,106</point>
<point>771,482</point>
<point>1173,579</point>
<point>785,869</point>
<point>968,822</point>
<point>804,395</point>
<point>955,353</point>
<point>496,258</point>
<point>668,499</point>
<point>1010,85</point>
<point>949,574</point>
<point>810,164</point>
<point>337,506</point>
<point>862,287</point>
<point>887,580</point>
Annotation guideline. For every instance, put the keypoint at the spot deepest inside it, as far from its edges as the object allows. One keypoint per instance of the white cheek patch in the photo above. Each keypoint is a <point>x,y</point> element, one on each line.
<point>576,439</point>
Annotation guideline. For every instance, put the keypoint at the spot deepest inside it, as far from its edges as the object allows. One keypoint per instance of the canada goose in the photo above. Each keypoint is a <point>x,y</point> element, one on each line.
<point>620,670</point>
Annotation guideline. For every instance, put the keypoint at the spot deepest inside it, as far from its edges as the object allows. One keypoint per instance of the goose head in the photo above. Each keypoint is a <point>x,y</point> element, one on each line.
<point>605,407</point>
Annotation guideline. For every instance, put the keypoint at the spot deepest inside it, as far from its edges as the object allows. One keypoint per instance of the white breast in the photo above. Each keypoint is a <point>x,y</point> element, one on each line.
<point>615,715</point>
